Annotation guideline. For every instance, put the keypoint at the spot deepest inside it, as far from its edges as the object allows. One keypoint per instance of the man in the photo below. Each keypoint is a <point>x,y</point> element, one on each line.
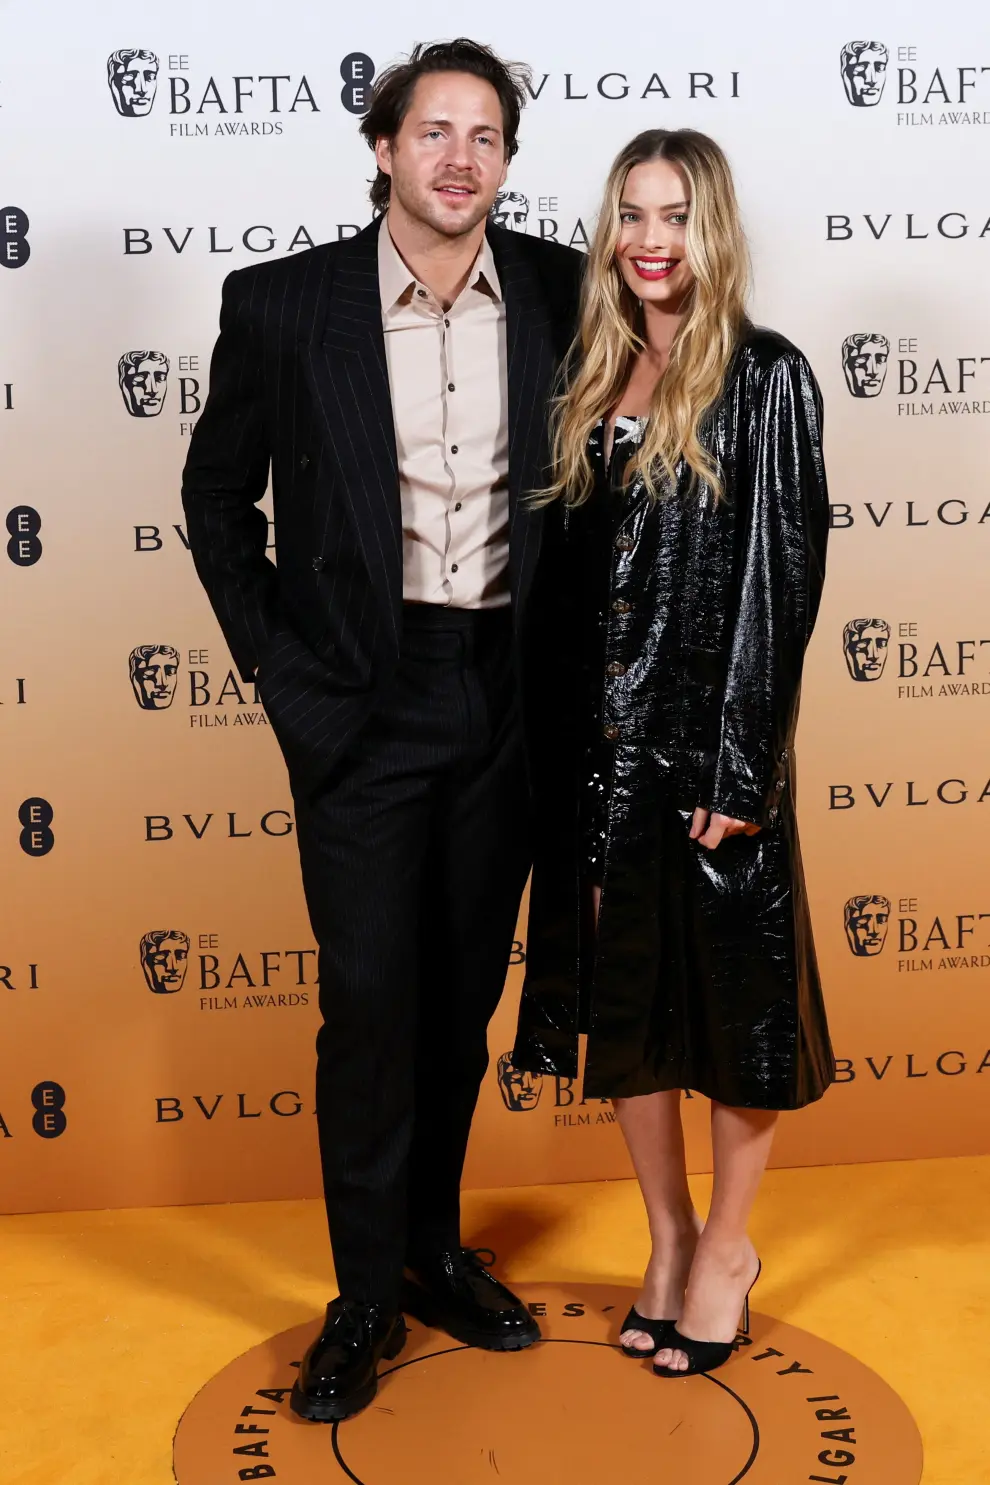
<point>396,382</point>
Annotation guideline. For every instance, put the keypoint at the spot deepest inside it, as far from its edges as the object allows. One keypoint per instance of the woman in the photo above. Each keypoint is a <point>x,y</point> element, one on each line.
<point>684,564</point>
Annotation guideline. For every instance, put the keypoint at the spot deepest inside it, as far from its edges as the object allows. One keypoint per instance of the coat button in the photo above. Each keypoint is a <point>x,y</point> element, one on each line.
<point>616,668</point>
<point>620,606</point>
<point>304,462</point>
<point>611,731</point>
<point>624,544</point>
<point>318,564</point>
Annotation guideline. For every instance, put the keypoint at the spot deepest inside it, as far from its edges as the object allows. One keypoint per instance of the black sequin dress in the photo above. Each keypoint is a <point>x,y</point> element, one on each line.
<point>599,754</point>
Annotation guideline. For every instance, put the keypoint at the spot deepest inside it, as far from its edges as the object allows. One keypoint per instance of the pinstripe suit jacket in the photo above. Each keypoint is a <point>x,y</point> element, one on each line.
<point>299,387</point>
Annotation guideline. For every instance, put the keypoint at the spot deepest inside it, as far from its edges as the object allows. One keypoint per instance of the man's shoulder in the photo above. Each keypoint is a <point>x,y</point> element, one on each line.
<point>293,270</point>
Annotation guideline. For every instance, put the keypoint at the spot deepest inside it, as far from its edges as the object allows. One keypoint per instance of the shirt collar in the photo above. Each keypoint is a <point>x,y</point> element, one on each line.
<point>395,280</point>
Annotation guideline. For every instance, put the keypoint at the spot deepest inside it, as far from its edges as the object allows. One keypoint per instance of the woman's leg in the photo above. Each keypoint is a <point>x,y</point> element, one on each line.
<point>725,1261</point>
<point>652,1129</point>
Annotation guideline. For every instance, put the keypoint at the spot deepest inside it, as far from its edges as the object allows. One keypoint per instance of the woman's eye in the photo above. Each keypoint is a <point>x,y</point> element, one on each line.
<point>628,216</point>
<point>679,219</point>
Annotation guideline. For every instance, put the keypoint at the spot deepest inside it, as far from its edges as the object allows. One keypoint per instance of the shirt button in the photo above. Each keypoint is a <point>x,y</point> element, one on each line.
<point>611,731</point>
<point>453,448</point>
<point>454,567</point>
<point>616,668</point>
<point>450,386</point>
<point>620,606</point>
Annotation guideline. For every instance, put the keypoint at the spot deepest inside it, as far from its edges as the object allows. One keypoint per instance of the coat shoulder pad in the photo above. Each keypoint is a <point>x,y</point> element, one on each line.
<point>760,349</point>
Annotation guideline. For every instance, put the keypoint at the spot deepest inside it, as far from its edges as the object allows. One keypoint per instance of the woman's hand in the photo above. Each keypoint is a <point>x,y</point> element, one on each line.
<point>708,829</point>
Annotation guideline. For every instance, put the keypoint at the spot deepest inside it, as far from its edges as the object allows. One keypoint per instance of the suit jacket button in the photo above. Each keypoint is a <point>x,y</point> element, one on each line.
<point>318,564</point>
<point>304,462</point>
<point>611,731</point>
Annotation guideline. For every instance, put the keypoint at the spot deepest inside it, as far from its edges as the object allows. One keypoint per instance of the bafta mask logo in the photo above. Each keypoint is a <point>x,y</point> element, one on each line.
<point>511,210</point>
<point>864,72</point>
<point>864,363</point>
<point>520,1090</point>
<point>132,75</point>
<point>164,959</point>
<point>154,672</point>
<point>143,378</point>
<point>865,643</point>
<point>867,919</point>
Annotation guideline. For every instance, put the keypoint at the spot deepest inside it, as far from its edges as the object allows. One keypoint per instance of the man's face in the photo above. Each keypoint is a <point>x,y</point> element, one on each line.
<point>165,964</point>
<point>447,161</point>
<point>866,926</point>
<point>513,215</point>
<point>866,653</point>
<point>520,1090</point>
<point>144,388</point>
<point>865,367</point>
<point>154,681</point>
<point>134,85</point>
<point>864,77</point>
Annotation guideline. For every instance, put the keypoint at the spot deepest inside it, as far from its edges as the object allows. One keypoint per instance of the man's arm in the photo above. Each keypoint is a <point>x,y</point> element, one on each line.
<point>226,474</point>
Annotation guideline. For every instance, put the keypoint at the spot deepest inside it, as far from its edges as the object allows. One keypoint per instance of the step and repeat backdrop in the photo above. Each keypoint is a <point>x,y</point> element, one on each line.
<point>157,971</point>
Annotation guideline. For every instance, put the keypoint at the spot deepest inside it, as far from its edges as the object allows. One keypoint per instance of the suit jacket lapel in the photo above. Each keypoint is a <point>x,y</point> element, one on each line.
<point>349,374</point>
<point>531,365</point>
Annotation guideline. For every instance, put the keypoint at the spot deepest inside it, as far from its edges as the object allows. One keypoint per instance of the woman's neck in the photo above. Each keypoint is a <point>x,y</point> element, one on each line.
<point>660,325</point>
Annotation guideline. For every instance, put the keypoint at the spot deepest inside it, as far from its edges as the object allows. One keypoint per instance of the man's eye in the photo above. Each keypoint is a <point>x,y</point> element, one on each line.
<point>484,139</point>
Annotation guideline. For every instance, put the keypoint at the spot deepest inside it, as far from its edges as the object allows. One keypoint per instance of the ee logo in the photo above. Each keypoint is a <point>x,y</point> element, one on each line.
<point>36,817</point>
<point>358,71</point>
<point>24,547</point>
<point>14,246</point>
<point>49,1119</point>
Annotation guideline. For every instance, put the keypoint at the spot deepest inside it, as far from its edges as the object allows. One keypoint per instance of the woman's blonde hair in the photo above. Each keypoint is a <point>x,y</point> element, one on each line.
<point>611,329</point>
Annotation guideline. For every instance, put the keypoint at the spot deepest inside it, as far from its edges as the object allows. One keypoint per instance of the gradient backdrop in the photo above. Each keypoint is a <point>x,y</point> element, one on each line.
<point>183,1071</point>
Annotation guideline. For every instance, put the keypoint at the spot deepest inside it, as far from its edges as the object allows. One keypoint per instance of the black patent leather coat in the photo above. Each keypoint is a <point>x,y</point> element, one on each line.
<point>704,972</point>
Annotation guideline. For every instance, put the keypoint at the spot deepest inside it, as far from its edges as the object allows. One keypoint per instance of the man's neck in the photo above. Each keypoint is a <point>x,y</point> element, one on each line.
<point>441,263</point>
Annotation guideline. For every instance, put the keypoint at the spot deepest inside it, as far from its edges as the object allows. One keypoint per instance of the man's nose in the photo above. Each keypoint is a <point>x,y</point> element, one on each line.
<point>459,154</point>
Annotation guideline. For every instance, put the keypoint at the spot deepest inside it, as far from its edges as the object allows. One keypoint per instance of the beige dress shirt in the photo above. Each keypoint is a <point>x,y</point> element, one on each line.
<point>447,375</point>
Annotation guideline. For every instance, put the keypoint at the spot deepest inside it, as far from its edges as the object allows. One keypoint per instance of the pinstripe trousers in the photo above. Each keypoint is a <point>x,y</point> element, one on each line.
<point>414,856</point>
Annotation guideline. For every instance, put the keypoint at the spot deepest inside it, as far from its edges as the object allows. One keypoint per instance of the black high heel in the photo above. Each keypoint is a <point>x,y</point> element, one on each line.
<point>705,1356</point>
<point>659,1331</point>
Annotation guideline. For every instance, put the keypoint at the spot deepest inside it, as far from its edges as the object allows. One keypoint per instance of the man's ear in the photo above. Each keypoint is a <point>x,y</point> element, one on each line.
<point>383,154</point>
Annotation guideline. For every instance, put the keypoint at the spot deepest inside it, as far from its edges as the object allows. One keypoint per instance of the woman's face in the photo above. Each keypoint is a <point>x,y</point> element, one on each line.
<point>651,251</point>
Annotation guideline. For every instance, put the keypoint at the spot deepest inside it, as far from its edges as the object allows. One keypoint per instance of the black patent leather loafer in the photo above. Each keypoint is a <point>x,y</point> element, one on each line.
<point>338,1375</point>
<point>455,1292</point>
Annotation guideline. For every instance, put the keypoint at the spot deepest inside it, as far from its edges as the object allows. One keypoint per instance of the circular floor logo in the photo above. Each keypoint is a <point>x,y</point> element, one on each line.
<point>787,1407</point>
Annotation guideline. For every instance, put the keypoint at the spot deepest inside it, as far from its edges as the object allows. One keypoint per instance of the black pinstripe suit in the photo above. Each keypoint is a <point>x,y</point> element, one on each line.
<point>403,743</point>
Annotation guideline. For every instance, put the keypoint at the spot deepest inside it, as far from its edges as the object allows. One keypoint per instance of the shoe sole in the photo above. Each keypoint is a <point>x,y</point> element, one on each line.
<point>417,1302</point>
<point>315,1411</point>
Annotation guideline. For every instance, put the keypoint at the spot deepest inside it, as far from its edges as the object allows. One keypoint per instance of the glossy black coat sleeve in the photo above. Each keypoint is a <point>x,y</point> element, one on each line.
<point>782,567</point>
<point>225,476</point>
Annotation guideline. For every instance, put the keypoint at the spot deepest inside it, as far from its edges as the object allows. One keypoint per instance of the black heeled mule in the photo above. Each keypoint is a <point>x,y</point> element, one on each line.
<point>659,1331</point>
<point>705,1356</point>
